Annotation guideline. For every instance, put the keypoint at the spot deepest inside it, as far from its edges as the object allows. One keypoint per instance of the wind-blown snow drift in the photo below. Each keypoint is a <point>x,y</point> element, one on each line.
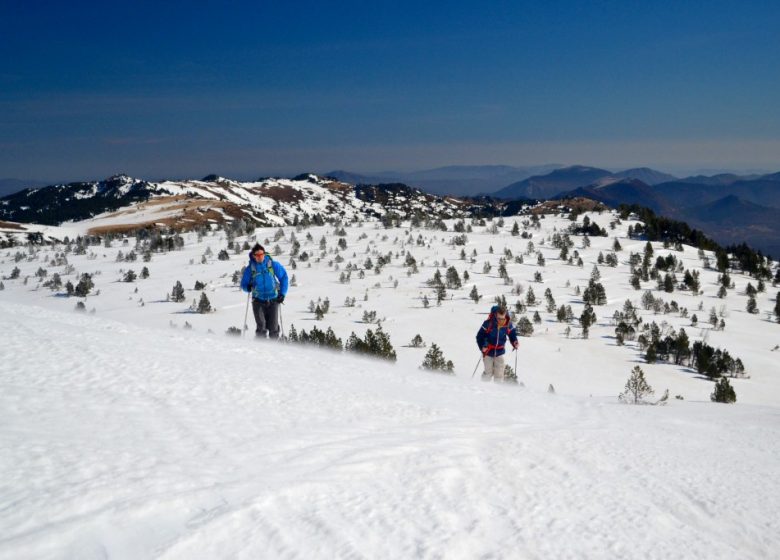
<point>120,442</point>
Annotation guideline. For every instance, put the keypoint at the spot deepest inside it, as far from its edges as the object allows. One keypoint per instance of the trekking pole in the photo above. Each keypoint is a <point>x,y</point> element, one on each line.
<point>246,313</point>
<point>476,367</point>
<point>281,322</point>
<point>515,362</point>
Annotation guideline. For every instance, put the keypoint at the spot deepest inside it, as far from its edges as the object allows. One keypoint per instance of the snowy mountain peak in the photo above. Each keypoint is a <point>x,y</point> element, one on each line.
<point>120,178</point>
<point>126,203</point>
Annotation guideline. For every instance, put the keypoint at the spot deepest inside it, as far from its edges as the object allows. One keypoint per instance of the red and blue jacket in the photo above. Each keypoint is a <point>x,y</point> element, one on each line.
<point>491,337</point>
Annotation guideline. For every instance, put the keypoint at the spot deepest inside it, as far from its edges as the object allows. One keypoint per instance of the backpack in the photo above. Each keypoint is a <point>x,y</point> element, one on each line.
<point>255,284</point>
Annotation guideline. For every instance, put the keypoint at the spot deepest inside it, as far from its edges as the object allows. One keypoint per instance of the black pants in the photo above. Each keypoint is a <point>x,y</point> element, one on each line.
<point>266,317</point>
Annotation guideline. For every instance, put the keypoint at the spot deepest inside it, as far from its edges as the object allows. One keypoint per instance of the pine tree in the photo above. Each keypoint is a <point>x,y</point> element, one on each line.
<point>550,301</point>
<point>524,326</point>
<point>723,392</point>
<point>84,286</point>
<point>651,356</point>
<point>637,387</point>
<point>441,293</point>
<point>682,348</point>
<point>587,319</point>
<point>668,283</point>
<point>595,294</point>
<point>474,295</point>
<point>374,343</point>
<point>777,307</point>
<point>384,349</point>
<point>130,276</point>
<point>55,283</point>
<point>434,361</point>
<point>417,342</point>
<point>453,278</point>
<point>204,305</point>
<point>752,306</point>
<point>177,294</point>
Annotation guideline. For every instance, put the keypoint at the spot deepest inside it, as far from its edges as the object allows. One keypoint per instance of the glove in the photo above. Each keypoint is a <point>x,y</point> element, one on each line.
<point>485,351</point>
<point>515,344</point>
<point>280,298</point>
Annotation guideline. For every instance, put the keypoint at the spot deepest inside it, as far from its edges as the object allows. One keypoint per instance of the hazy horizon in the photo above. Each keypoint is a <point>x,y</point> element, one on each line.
<point>185,90</point>
<point>682,173</point>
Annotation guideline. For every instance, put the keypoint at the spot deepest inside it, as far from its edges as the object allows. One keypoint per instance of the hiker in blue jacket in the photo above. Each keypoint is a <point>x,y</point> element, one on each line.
<point>491,339</point>
<point>267,280</point>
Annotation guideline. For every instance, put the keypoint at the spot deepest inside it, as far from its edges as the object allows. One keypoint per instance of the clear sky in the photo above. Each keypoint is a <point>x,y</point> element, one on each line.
<point>244,89</point>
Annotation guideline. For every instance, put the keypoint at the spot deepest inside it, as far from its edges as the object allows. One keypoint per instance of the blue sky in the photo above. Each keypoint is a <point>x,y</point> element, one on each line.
<point>257,88</point>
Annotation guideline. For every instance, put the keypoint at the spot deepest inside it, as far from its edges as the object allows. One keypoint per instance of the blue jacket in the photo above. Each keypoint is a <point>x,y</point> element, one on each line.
<point>491,337</point>
<point>259,279</point>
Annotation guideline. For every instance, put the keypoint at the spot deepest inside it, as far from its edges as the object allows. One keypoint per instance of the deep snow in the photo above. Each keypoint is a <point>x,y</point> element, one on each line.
<point>125,443</point>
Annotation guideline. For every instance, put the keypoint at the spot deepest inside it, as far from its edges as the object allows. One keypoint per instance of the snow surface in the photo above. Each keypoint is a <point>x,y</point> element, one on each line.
<point>122,442</point>
<point>124,438</point>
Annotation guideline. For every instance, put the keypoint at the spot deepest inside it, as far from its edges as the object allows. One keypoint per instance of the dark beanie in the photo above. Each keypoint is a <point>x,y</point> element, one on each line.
<point>257,248</point>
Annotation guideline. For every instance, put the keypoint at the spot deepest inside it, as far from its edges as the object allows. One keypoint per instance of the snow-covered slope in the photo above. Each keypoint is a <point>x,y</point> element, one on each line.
<point>123,204</point>
<point>121,442</point>
<point>128,438</point>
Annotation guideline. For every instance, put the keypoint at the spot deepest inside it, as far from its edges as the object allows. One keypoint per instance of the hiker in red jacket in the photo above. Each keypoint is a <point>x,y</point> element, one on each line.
<point>491,339</point>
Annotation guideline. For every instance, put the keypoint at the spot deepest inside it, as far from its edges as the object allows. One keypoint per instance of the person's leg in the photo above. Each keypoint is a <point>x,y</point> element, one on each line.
<point>272,319</point>
<point>498,368</point>
<point>487,375</point>
<point>257,309</point>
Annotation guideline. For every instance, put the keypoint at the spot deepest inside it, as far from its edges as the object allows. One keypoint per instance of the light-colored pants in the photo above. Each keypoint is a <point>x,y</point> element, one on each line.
<point>494,368</point>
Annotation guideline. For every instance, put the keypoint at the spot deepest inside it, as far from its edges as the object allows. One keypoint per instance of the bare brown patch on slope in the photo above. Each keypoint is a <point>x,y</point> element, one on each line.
<point>192,212</point>
<point>580,204</point>
<point>12,225</point>
<point>283,193</point>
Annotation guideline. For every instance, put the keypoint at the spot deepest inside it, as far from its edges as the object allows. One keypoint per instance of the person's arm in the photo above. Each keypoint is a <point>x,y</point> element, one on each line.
<point>281,275</point>
<point>513,337</point>
<point>481,338</point>
<point>246,279</point>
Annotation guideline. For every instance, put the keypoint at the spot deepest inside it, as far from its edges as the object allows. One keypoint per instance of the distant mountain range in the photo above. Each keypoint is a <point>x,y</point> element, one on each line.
<point>729,208</point>
<point>456,180</point>
<point>568,178</point>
